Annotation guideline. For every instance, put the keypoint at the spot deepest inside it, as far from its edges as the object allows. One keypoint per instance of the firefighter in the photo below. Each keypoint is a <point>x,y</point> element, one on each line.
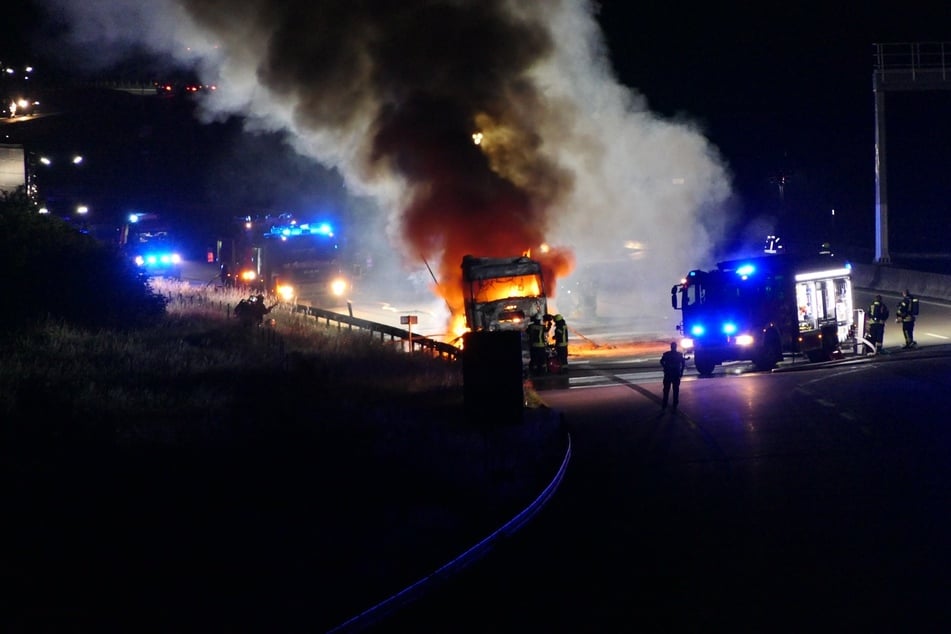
<point>561,342</point>
<point>227,280</point>
<point>877,316</point>
<point>537,346</point>
<point>251,311</point>
<point>906,313</point>
<point>674,364</point>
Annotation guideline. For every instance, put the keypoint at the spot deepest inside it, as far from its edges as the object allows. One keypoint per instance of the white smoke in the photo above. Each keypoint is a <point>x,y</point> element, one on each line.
<point>637,198</point>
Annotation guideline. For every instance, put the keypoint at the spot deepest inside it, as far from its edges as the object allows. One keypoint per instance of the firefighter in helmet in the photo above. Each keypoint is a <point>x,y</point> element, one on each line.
<point>537,346</point>
<point>561,342</point>
<point>906,313</point>
<point>877,316</point>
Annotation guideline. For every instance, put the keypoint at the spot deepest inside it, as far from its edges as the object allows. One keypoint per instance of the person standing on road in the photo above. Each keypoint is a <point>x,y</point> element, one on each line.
<point>537,346</point>
<point>877,316</point>
<point>561,342</point>
<point>674,364</point>
<point>906,313</point>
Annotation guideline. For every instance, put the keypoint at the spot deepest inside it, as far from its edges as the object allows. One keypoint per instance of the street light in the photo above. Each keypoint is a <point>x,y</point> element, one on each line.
<point>76,159</point>
<point>82,210</point>
<point>56,176</point>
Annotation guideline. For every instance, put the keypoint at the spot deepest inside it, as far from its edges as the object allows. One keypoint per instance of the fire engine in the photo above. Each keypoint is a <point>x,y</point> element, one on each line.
<point>502,293</point>
<point>148,241</point>
<point>292,260</point>
<point>759,309</point>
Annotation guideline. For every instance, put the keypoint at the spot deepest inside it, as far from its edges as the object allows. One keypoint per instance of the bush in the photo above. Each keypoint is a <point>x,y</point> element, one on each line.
<point>55,272</point>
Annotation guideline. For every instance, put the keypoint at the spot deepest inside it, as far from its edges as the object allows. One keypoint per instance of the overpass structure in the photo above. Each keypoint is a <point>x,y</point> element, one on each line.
<point>900,67</point>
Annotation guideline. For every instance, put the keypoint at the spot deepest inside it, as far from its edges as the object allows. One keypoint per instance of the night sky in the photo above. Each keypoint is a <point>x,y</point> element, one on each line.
<point>783,91</point>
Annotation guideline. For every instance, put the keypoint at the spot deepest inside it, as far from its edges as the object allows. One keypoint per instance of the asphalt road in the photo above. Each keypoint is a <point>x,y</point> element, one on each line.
<point>818,498</point>
<point>790,501</point>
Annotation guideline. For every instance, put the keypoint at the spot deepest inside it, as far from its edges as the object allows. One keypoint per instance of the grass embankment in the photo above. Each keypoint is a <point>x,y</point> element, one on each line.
<point>202,468</point>
<point>200,374</point>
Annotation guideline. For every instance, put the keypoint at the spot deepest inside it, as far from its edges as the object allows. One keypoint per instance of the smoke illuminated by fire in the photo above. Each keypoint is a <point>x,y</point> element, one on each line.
<point>482,127</point>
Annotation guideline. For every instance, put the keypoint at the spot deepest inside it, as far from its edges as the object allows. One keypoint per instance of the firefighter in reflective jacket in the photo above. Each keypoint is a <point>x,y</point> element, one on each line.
<point>906,313</point>
<point>877,316</point>
<point>537,346</point>
<point>561,342</point>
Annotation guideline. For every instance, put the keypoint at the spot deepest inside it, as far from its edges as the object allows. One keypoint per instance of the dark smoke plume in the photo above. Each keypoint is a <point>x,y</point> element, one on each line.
<point>484,127</point>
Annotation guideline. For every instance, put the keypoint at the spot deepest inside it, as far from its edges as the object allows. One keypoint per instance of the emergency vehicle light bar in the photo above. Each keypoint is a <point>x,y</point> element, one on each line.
<point>323,229</point>
<point>818,275</point>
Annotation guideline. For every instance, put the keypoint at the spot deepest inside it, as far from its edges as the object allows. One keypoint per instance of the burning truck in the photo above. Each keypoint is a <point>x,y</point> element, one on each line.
<point>502,293</point>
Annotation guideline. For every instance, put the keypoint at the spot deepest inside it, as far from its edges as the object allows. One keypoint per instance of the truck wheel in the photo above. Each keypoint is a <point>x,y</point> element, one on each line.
<point>770,353</point>
<point>704,366</point>
<point>765,360</point>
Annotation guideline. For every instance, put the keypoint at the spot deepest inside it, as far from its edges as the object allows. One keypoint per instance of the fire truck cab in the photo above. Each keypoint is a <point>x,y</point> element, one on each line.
<point>294,261</point>
<point>760,308</point>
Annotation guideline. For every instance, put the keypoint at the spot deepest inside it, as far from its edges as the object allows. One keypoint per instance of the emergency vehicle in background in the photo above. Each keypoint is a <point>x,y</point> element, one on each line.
<point>295,261</point>
<point>760,308</point>
<point>502,293</point>
<point>149,242</point>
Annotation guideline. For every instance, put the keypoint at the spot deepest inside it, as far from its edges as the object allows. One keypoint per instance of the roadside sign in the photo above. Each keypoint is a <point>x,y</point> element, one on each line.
<point>409,319</point>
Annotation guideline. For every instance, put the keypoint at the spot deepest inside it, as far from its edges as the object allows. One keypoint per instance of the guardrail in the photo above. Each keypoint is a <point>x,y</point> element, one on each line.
<point>415,342</point>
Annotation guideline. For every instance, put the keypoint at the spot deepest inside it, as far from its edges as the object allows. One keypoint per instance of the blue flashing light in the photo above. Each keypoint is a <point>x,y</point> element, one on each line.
<point>697,330</point>
<point>306,229</point>
<point>729,328</point>
<point>745,270</point>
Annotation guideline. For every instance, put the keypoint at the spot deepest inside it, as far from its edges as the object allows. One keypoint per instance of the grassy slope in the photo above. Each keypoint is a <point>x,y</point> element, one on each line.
<point>215,477</point>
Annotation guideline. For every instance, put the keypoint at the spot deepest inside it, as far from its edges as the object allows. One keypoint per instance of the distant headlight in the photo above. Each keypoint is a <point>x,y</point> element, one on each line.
<point>338,287</point>
<point>744,340</point>
<point>248,276</point>
<point>686,343</point>
<point>285,292</point>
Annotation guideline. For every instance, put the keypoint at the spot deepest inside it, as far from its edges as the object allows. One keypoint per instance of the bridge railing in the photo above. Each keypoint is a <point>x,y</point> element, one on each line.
<point>416,343</point>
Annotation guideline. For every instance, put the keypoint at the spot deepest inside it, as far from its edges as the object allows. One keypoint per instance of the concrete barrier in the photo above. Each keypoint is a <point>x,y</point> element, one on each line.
<point>889,279</point>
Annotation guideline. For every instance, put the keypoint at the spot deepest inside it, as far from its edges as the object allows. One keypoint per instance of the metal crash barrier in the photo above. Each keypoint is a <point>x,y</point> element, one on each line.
<point>414,341</point>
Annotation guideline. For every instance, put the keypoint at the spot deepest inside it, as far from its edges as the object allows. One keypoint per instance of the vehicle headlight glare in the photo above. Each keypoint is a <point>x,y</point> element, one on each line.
<point>744,340</point>
<point>285,292</point>
<point>338,287</point>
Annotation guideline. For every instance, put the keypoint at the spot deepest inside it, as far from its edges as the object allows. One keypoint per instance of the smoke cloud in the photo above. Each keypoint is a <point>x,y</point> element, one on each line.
<point>484,127</point>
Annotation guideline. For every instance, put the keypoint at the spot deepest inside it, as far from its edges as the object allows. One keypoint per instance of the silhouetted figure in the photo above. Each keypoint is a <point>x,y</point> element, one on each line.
<point>561,342</point>
<point>674,365</point>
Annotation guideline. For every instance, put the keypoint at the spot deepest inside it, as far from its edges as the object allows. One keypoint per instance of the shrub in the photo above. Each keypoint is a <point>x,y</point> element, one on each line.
<point>56,272</point>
